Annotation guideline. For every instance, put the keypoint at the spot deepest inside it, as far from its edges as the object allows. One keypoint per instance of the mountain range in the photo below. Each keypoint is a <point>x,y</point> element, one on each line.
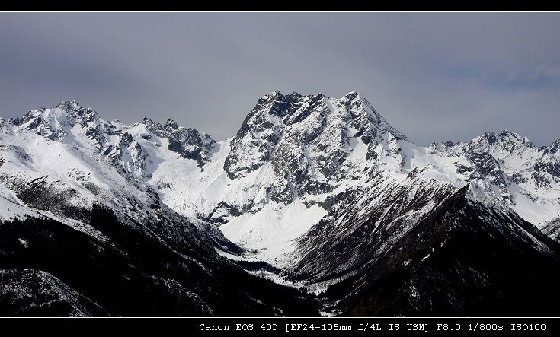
<point>317,206</point>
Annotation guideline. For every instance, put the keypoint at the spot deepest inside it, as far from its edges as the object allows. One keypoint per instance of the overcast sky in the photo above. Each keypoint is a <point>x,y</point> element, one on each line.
<point>434,76</point>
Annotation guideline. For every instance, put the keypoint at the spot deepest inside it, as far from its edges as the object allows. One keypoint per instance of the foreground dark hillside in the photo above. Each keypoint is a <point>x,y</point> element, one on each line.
<point>50,269</point>
<point>462,259</point>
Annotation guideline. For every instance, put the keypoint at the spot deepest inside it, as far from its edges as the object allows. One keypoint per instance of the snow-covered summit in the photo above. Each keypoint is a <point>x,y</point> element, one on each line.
<point>55,123</point>
<point>308,137</point>
<point>187,142</point>
<point>323,188</point>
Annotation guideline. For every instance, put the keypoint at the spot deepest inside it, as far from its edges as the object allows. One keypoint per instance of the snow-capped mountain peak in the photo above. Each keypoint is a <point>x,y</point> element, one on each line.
<point>55,123</point>
<point>311,126</point>
<point>323,188</point>
<point>505,141</point>
<point>301,154</point>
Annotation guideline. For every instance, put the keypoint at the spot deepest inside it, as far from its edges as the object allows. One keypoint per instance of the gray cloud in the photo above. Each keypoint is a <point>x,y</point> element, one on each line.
<point>434,76</point>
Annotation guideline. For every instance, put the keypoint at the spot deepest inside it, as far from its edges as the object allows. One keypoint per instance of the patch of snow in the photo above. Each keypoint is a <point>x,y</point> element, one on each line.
<point>272,230</point>
<point>23,242</point>
<point>274,278</point>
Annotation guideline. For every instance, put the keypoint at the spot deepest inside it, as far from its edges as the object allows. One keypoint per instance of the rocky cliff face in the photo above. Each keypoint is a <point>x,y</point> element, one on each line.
<point>308,141</point>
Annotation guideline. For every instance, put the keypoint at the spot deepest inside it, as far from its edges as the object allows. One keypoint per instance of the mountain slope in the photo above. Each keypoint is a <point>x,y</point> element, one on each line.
<point>129,272</point>
<point>30,292</point>
<point>77,212</point>
<point>460,258</point>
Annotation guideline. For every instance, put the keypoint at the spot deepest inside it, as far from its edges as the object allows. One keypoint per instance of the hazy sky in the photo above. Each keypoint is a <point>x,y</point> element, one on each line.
<point>434,76</point>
